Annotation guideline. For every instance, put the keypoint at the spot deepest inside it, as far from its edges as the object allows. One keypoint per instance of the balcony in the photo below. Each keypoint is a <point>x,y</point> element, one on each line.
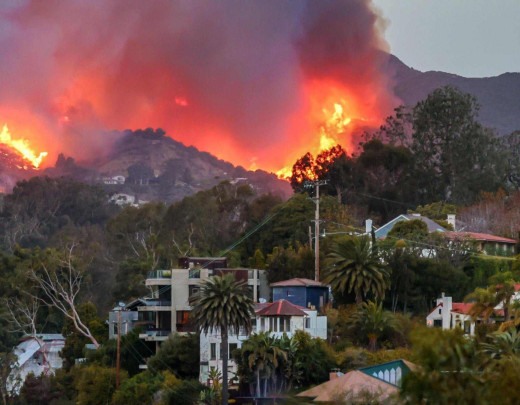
<point>155,335</point>
<point>159,277</point>
<point>156,305</point>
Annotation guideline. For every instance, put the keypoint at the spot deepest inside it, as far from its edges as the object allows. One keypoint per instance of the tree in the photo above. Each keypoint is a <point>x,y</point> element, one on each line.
<point>260,355</point>
<point>224,304</point>
<point>179,354</point>
<point>455,156</point>
<point>96,384</point>
<point>371,321</point>
<point>502,344</point>
<point>59,276</point>
<point>353,266</point>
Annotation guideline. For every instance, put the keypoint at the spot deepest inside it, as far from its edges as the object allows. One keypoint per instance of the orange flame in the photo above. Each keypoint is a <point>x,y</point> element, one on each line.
<point>22,146</point>
<point>333,126</point>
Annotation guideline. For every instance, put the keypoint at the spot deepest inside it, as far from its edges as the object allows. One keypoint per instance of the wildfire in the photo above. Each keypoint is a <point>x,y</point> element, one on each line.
<point>22,146</point>
<point>333,125</point>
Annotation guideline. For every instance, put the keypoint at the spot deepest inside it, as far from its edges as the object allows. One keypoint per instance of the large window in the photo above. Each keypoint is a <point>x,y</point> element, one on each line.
<point>232,348</point>
<point>193,289</point>
<point>285,324</point>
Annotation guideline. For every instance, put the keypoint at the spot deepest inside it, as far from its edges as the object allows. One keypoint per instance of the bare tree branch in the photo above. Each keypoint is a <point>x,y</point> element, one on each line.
<point>61,288</point>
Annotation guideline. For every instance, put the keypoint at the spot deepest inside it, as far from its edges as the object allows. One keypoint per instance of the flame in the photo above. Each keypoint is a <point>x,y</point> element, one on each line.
<point>22,146</point>
<point>332,129</point>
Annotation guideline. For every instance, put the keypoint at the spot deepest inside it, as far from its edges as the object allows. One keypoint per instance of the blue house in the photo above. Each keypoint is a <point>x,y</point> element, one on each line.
<point>302,291</point>
<point>432,226</point>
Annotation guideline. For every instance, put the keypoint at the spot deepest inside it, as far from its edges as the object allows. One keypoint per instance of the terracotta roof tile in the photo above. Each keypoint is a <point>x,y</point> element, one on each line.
<point>281,308</point>
<point>479,236</point>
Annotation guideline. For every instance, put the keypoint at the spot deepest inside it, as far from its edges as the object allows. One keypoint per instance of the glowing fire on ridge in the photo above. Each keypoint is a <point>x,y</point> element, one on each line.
<point>22,146</point>
<point>333,125</point>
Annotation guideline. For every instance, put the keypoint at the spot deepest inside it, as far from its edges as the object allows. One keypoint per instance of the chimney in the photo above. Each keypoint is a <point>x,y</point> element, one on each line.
<point>451,221</point>
<point>446,312</point>
<point>368,225</point>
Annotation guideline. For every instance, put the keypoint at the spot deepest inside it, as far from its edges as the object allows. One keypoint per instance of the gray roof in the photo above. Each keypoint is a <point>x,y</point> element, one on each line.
<point>432,226</point>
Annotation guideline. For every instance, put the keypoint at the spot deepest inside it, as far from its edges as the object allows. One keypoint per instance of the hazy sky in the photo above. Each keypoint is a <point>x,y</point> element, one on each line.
<point>472,38</point>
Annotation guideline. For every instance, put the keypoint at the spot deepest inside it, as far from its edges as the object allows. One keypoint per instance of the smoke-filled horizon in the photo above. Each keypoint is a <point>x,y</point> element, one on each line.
<point>244,80</point>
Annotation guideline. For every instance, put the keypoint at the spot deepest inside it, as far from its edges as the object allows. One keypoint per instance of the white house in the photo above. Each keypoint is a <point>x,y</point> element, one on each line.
<point>36,354</point>
<point>450,315</point>
<point>277,318</point>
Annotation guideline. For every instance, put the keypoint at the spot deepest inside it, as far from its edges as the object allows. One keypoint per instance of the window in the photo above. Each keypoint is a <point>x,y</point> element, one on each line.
<point>232,348</point>
<point>273,324</point>
<point>183,317</point>
<point>307,323</point>
<point>213,351</point>
<point>285,324</point>
<point>437,323</point>
<point>193,289</point>
<point>194,273</point>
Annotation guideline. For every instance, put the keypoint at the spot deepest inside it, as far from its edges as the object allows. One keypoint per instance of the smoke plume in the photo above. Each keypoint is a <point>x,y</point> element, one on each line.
<point>232,77</point>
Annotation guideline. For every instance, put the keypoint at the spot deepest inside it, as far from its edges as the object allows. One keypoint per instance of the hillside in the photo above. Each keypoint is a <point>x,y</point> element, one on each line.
<point>499,96</point>
<point>156,166</point>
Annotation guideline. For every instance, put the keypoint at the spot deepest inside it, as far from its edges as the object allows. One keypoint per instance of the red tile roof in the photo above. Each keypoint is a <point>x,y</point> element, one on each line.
<point>298,282</point>
<point>486,237</point>
<point>281,308</point>
<point>461,307</point>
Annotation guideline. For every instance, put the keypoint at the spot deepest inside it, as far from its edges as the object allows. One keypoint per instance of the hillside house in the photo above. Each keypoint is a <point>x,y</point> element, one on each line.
<point>486,243</point>
<point>166,310</point>
<point>381,381</point>
<point>303,292</point>
<point>277,318</point>
<point>383,231</point>
<point>36,354</point>
<point>451,315</point>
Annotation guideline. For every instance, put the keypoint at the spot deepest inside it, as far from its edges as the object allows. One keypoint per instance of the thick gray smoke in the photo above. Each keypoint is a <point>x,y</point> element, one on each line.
<point>227,76</point>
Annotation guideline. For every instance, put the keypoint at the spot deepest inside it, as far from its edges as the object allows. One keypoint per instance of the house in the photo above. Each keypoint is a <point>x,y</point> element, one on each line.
<point>486,243</point>
<point>277,318</point>
<point>302,292</point>
<point>382,232</point>
<point>167,309</point>
<point>124,318</point>
<point>117,179</point>
<point>450,315</point>
<point>382,381</point>
<point>37,354</point>
<point>122,199</point>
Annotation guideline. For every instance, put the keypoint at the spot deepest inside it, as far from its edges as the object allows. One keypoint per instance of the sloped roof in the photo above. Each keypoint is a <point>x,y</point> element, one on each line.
<point>485,237</point>
<point>298,282</point>
<point>432,226</point>
<point>281,308</point>
<point>353,383</point>
<point>461,307</point>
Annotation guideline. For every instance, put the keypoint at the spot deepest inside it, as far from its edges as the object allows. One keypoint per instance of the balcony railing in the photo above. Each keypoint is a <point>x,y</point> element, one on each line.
<point>159,274</point>
<point>158,303</point>
<point>157,332</point>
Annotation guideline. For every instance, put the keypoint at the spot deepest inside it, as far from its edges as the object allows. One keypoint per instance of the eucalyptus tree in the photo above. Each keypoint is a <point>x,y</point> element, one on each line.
<point>223,304</point>
<point>353,266</point>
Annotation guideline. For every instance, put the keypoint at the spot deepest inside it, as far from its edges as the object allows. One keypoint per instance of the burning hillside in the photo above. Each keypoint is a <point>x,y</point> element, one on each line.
<point>256,83</point>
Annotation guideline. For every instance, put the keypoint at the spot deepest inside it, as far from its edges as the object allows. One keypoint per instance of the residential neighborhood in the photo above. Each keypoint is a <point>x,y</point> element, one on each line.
<point>259,202</point>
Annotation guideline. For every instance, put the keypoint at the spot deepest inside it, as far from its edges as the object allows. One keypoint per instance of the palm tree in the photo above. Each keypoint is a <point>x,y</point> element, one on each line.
<point>484,301</point>
<point>371,321</point>
<point>502,344</point>
<point>263,355</point>
<point>353,266</point>
<point>224,304</point>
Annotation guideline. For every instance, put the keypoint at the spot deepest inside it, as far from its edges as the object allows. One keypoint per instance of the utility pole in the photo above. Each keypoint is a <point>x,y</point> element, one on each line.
<point>118,355</point>
<point>119,308</point>
<point>316,184</point>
